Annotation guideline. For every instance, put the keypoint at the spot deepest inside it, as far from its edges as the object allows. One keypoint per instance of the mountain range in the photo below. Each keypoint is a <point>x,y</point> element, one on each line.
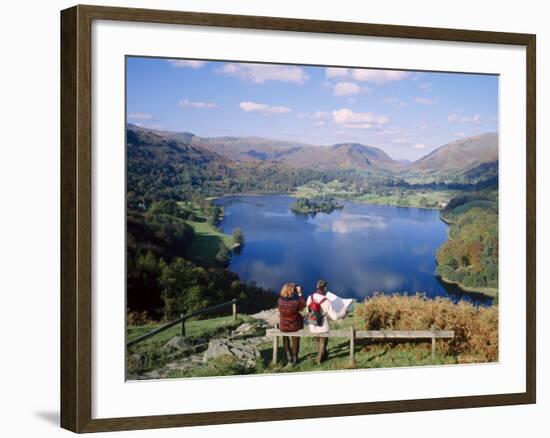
<point>472,158</point>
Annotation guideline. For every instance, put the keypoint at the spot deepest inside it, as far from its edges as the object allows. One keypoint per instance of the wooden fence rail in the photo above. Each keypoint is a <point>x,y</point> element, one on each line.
<point>182,320</point>
<point>352,334</point>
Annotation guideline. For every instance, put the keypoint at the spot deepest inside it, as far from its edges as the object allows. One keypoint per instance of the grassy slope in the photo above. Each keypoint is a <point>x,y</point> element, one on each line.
<point>194,329</point>
<point>368,354</point>
<point>207,240</point>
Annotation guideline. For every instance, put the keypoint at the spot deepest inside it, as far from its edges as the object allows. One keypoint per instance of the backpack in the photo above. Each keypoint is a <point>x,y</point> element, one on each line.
<point>314,314</point>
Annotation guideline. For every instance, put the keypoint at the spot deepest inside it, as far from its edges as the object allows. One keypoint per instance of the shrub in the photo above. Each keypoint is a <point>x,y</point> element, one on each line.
<point>476,328</point>
<point>138,318</point>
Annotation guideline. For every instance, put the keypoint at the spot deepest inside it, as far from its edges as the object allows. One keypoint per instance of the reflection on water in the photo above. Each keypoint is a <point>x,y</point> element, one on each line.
<point>344,223</point>
<point>360,250</point>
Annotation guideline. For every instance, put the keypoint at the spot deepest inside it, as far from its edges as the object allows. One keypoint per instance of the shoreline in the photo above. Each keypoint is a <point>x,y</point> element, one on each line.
<point>485,291</point>
<point>295,195</point>
<point>447,221</point>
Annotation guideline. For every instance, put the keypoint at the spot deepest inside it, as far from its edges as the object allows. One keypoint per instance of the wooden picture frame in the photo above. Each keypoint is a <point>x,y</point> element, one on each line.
<point>76,217</point>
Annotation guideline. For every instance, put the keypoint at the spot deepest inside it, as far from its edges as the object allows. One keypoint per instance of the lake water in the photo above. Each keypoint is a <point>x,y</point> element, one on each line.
<point>359,250</point>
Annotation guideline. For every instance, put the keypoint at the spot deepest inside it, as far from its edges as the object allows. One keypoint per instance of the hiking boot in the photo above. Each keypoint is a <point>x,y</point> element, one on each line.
<point>288,357</point>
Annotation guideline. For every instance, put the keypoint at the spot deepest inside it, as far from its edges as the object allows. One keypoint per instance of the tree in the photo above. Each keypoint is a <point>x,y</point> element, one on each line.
<point>223,255</point>
<point>183,287</point>
<point>238,237</point>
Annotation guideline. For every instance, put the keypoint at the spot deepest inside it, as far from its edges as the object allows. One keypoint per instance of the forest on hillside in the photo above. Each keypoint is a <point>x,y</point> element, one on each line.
<point>470,256</point>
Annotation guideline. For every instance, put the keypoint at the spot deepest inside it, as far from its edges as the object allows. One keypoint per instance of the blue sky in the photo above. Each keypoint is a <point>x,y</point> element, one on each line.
<point>407,114</point>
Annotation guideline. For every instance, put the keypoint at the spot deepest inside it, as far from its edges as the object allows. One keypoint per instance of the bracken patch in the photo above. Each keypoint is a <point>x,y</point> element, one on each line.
<point>476,328</point>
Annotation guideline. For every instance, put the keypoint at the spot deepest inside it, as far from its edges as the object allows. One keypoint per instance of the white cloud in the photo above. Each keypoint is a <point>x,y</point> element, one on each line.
<point>419,146</point>
<point>319,123</point>
<point>252,107</point>
<point>346,89</point>
<point>367,75</point>
<point>359,125</point>
<point>199,105</point>
<point>183,63</point>
<point>378,76</point>
<point>459,134</point>
<point>140,116</point>
<point>336,72</point>
<point>348,119</point>
<point>261,73</point>
<point>455,118</point>
<point>424,101</point>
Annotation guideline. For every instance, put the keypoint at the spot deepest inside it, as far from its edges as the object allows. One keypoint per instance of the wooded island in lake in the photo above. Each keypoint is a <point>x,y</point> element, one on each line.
<point>312,206</point>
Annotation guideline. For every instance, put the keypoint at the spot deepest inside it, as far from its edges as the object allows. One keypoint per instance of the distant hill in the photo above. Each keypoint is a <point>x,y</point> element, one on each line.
<point>162,165</point>
<point>297,155</point>
<point>403,162</point>
<point>174,149</point>
<point>470,159</point>
<point>246,149</point>
<point>343,156</point>
<point>472,154</point>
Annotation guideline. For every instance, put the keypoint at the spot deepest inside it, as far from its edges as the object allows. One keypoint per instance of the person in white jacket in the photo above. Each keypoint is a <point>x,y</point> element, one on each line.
<point>327,312</point>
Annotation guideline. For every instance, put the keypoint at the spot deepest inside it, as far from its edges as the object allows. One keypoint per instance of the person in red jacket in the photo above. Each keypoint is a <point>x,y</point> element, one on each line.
<point>290,319</point>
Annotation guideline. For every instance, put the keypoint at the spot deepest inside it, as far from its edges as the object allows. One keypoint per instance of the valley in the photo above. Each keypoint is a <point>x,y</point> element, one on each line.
<point>181,254</point>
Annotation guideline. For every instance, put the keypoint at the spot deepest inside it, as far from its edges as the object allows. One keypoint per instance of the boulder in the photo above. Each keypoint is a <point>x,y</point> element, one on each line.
<point>178,344</point>
<point>242,350</point>
<point>245,329</point>
<point>137,360</point>
<point>269,317</point>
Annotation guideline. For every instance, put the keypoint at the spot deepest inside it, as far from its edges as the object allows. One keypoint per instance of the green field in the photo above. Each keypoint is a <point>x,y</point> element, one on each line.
<point>207,240</point>
<point>398,196</point>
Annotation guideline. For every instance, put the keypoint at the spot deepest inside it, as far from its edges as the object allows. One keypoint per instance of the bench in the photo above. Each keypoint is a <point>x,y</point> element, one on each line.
<point>353,334</point>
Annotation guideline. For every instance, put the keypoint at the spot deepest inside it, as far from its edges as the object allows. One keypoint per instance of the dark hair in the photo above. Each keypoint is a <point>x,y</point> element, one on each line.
<point>321,284</point>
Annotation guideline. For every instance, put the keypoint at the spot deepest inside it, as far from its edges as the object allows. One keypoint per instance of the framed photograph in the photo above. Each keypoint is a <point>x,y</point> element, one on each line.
<point>269,218</point>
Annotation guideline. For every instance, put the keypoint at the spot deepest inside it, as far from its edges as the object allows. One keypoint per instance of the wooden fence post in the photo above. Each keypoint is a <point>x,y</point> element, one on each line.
<point>234,311</point>
<point>275,348</point>
<point>433,342</point>
<point>182,326</point>
<point>352,347</point>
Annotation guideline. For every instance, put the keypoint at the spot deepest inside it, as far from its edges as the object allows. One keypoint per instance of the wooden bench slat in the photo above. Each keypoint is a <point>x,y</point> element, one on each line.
<point>373,334</point>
